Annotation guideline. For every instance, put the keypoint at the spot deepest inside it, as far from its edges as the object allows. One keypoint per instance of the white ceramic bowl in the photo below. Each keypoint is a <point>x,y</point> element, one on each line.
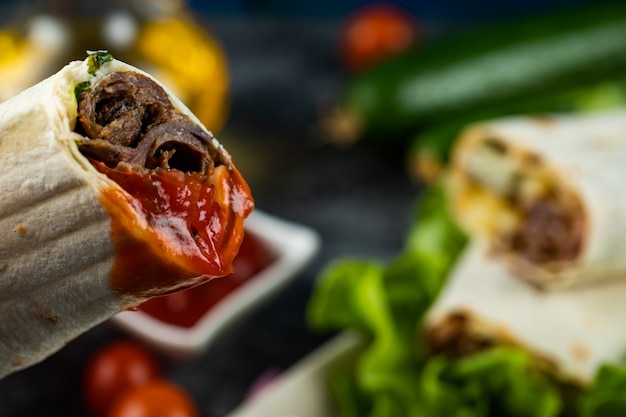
<point>294,246</point>
<point>302,391</point>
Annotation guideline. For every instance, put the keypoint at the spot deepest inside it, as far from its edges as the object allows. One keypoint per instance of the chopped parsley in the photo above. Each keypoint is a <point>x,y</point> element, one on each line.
<point>82,88</point>
<point>97,59</point>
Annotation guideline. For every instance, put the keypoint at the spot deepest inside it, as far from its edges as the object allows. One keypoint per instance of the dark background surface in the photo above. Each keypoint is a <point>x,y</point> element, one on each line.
<point>285,68</point>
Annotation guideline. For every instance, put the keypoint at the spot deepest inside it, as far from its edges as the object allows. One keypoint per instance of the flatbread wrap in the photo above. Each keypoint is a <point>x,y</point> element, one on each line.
<point>112,192</point>
<point>571,333</point>
<point>546,193</point>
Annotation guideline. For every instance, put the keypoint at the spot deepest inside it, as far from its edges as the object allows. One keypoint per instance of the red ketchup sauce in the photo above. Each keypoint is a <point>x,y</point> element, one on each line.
<point>185,308</point>
<point>171,230</point>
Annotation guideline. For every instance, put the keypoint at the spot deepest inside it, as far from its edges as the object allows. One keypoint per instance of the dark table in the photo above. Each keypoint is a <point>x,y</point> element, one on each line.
<point>358,199</point>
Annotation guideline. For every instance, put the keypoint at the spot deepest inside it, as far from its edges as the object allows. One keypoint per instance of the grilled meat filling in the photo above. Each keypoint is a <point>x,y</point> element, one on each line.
<point>130,121</point>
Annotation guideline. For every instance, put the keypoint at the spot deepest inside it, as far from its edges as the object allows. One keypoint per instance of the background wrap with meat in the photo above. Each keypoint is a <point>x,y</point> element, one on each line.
<point>571,333</point>
<point>546,193</point>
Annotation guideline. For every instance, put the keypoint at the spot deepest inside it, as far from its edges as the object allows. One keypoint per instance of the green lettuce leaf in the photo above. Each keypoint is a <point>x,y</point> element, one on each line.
<point>386,303</point>
<point>352,295</point>
<point>607,396</point>
<point>504,381</point>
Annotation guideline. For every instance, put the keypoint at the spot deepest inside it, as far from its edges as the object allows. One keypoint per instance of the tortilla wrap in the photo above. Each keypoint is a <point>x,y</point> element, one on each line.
<point>546,193</point>
<point>572,331</point>
<point>112,192</point>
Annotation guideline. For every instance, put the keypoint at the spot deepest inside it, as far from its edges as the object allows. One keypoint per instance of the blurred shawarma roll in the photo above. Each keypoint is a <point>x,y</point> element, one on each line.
<point>546,193</point>
<point>571,333</point>
<point>112,192</point>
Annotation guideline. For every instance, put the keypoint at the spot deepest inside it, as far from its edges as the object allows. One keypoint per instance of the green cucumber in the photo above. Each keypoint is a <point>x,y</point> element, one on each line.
<point>485,70</point>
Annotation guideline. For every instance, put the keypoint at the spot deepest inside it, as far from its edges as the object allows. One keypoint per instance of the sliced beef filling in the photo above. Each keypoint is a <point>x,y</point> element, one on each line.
<point>130,121</point>
<point>551,232</point>
<point>452,336</point>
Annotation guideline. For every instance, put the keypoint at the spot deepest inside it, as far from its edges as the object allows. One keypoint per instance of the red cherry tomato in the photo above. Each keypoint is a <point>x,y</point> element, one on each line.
<point>185,308</point>
<point>375,32</point>
<point>156,398</point>
<point>114,369</point>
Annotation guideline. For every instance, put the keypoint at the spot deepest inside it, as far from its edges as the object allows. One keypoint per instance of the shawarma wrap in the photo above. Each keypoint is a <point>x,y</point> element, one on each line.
<point>111,192</point>
<point>571,333</point>
<point>547,194</point>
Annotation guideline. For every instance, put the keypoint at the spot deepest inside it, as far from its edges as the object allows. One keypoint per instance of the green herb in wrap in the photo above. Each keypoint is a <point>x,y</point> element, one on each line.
<point>96,59</point>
